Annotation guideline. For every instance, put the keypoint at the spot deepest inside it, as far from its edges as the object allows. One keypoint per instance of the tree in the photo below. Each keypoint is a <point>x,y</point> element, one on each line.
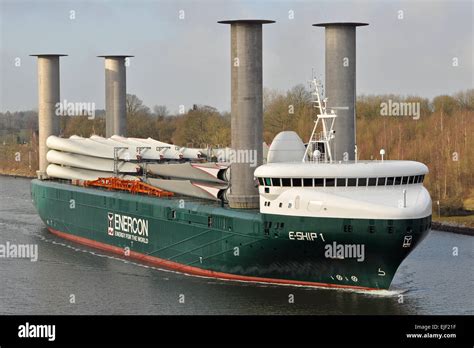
<point>160,111</point>
<point>135,106</point>
<point>465,99</point>
<point>200,126</point>
<point>445,104</point>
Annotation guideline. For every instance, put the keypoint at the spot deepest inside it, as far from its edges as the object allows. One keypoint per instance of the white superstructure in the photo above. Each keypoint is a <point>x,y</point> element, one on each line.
<point>319,186</point>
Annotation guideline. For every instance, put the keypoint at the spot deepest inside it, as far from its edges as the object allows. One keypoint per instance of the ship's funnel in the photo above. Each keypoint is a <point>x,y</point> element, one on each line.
<point>48,97</point>
<point>341,84</point>
<point>246,110</point>
<point>115,95</point>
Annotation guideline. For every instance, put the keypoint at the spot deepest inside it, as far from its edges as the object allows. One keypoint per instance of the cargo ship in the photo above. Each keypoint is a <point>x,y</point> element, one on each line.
<point>304,207</point>
<point>318,221</point>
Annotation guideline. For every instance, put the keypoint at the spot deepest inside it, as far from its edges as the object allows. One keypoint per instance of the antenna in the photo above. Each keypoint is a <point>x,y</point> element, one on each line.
<point>319,144</point>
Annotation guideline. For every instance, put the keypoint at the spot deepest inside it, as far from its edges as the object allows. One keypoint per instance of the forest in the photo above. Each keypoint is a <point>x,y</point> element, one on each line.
<point>441,136</point>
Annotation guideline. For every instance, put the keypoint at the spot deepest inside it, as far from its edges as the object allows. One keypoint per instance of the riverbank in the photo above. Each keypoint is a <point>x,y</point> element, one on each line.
<point>18,160</point>
<point>454,224</point>
<point>18,174</point>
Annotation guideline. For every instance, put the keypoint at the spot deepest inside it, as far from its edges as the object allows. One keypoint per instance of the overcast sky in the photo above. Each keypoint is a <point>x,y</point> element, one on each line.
<point>186,61</point>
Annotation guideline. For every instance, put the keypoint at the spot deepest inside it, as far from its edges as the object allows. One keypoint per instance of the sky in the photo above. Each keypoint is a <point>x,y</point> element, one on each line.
<point>422,48</point>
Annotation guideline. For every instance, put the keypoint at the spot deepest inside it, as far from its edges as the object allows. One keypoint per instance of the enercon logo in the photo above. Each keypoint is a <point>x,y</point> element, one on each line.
<point>128,227</point>
<point>128,224</point>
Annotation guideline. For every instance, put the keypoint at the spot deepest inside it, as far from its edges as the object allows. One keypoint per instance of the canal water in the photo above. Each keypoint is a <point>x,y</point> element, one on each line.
<point>437,278</point>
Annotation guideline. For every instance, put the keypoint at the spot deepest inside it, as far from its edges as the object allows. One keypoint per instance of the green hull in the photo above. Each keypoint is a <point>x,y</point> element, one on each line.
<point>206,239</point>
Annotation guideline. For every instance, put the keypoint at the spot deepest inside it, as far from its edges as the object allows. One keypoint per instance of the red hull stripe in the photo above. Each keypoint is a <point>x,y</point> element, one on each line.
<point>191,269</point>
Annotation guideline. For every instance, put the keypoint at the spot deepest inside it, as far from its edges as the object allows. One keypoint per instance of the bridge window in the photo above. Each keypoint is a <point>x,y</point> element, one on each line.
<point>319,182</point>
<point>268,182</point>
<point>307,182</point>
<point>260,181</point>
<point>276,182</point>
<point>330,182</point>
<point>286,182</point>
<point>296,182</point>
<point>361,182</point>
<point>341,182</point>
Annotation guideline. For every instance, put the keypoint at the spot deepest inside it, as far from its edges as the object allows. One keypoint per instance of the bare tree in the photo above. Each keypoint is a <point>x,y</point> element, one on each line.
<point>135,106</point>
<point>160,111</point>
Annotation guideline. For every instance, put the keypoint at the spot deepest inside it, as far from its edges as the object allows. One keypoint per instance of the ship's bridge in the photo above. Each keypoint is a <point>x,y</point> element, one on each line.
<point>342,189</point>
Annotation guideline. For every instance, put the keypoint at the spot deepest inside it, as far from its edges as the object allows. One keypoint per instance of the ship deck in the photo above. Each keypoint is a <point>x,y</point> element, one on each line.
<point>175,201</point>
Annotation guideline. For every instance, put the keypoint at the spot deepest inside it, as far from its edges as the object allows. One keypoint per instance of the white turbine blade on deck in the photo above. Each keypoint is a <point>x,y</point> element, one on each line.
<point>186,171</point>
<point>169,151</point>
<point>89,162</point>
<point>71,173</point>
<point>190,153</point>
<point>212,190</point>
<point>188,188</point>
<point>211,170</point>
<point>88,147</point>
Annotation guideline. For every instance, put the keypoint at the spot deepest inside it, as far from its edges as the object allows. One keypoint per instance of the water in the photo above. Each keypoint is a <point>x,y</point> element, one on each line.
<point>430,281</point>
